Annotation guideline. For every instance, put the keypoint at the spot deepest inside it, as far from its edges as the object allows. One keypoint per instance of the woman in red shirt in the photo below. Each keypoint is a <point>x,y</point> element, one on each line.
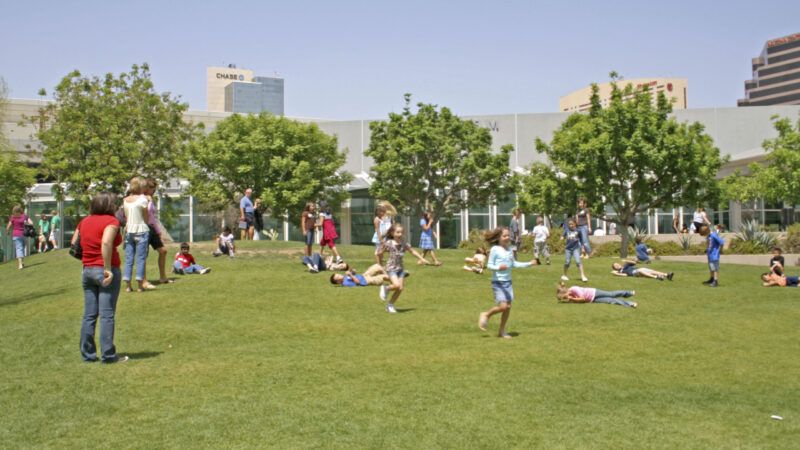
<point>99,237</point>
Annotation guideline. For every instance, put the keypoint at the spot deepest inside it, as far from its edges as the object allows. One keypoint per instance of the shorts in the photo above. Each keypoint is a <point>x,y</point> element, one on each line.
<point>792,281</point>
<point>310,237</point>
<point>250,219</point>
<point>19,246</point>
<point>329,242</point>
<point>713,266</point>
<point>573,254</point>
<point>503,292</point>
<point>155,239</point>
<point>398,274</point>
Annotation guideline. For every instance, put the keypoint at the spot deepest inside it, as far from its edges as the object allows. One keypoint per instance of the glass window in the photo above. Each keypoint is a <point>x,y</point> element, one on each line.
<point>450,231</point>
<point>362,211</point>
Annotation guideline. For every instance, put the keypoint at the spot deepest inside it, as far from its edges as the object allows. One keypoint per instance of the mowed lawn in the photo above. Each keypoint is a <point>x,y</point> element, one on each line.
<point>260,353</point>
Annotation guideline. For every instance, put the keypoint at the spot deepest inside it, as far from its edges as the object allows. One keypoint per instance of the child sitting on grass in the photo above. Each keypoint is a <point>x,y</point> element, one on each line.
<point>225,245</point>
<point>185,263</point>
<point>777,262</point>
<point>477,262</point>
<point>577,294</point>
<point>373,276</point>
<point>628,269</point>
<point>642,251</point>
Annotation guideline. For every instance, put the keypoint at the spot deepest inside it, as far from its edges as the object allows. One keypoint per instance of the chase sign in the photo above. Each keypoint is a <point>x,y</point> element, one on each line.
<point>230,76</point>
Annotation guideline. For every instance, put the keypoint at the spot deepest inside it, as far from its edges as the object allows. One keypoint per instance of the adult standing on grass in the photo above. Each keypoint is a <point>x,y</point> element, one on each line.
<point>156,239</point>
<point>137,234</point>
<point>16,224</point>
<point>99,237</point>
<point>501,261</point>
<point>55,229</point>
<point>676,223</point>
<point>515,229</point>
<point>583,218</point>
<point>258,220</point>
<point>426,238</point>
<point>247,214</point>
<point>713,250</point>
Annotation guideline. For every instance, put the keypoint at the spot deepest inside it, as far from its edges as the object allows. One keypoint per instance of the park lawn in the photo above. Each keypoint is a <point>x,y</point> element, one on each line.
<point>260,353</point>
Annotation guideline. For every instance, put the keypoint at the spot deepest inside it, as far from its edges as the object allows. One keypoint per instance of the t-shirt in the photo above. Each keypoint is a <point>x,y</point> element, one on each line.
<point>186,259</point>
<point>226,240</point>
<point>348,282</point>
<point>697,217</point>
<point>715,244</point>
<point>514,230</point>
<point>641,252</point>
<point>44,226</point>
<point>583,217</point>
<point>584,293</point>
<point>499,256</point>
<point>396,252</point>
<point>628,269</point>
<point>309,221</point>
<point>246,204</point>
<point>573,239</point>
<point>18,225</point>
<point>134,215</point>
<point>90,232</point>
<point>778,259</point>
<point>152,218</point>
<point>55,223</point>
<point>541,233</point>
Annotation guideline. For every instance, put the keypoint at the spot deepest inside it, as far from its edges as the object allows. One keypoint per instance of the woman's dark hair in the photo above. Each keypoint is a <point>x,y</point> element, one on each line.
<point>427,216</point>
<point>103,204</point>
<point>492,237</point>
<point>227,230</point>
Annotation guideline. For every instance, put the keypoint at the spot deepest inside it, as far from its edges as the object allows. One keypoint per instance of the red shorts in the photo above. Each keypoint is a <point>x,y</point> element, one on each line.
<point>327,241</point>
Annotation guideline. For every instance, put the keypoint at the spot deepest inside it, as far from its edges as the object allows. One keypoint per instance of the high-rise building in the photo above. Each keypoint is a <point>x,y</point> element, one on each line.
<point>776,74</point>
<point>237,90</point>
<point>673,88</point>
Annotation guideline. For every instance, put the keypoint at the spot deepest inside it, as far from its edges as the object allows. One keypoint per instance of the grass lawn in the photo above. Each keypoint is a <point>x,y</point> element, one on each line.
<point>260,353</point>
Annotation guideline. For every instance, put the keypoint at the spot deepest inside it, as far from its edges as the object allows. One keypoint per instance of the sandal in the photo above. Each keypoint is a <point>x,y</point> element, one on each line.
<point>438,263</point>
<point>166,281</point>
<point>128,289</point>
<point>147,287</point>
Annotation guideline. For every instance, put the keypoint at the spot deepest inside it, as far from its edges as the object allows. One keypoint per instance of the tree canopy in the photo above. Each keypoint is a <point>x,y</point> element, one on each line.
<point>15,176</point>
<point>285,162</point>
<point>629,157</point>
<point>433,160</point>
<point>101,132</point>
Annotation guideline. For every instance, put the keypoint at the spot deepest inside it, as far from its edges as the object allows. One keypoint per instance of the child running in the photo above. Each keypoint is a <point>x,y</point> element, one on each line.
<point>477,262</point>
<point>225,245</point>
<point>577,294</point>
<point>396,247</point>
<point>329,234</point>
<point>501,261</point>
<point>427,235</point>
<point>541,233</point>
<point>185,264</point>
<point>572,250</point>
<point>628,269</point>
<point>713,250</point>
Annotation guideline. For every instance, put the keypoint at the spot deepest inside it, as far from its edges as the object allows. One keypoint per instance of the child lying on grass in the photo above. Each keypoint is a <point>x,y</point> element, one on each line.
<point>375,275</point>
<point>577,294</point>
<point>628,269</point>
<point>770,279</point>
<point>477,262</point>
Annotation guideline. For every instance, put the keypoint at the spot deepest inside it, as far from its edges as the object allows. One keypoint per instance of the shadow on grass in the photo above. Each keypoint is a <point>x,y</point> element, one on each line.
<point>30,296</point>
<point>143,355</point>
<point>405,310</point>
<point>170,281</point>
<point>35,264</point>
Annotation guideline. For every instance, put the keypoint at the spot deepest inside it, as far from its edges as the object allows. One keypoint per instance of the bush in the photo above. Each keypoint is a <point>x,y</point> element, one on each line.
<point>792,242</point>
<point>749,247</point>
<point>750,231</point>
<point>475,240</point>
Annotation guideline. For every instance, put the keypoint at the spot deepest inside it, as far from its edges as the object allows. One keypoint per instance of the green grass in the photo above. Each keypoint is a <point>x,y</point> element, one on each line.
<point>260,353</point>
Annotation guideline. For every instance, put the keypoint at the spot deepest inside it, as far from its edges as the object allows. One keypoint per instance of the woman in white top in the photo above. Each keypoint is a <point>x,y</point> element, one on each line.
<point>699,219</point>
<point>137,234</point>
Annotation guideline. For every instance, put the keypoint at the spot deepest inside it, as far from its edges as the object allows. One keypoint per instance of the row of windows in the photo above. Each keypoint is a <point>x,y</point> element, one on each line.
<point>783,47</point>
<point>786,57</point>
<point>777,101</point>
<point>769,70</point>
<point>775,90</point>
<point>780,79</point>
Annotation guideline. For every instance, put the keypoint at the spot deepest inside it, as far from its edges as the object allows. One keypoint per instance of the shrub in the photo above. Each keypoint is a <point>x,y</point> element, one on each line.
<point>792,242</point>
<point>475,240</point>
<point>751,247</point>
<point>635,233</point>
<point>751,239</point>
<point>685,241</point>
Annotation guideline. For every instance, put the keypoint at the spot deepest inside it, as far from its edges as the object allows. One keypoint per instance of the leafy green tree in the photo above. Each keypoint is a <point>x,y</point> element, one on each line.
<point>101,132</point>
<point>629,157</point>
<point>778,177</point>
<point>285,162</point>
<point>434,160</point>
<point>15,176</point>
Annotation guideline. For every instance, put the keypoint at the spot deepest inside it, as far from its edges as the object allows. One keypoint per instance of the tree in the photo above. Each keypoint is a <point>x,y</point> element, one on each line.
<point>285,162</point>
<point>630,157</point>
<point>433,160</point>
<point>17,178</point>
<point>101,132</point>
<point>778,177</point>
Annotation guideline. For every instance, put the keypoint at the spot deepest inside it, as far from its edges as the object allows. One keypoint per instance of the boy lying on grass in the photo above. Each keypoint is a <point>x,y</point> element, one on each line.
<point>627,268</point>
<point>770,279</point>
<point>375,275</point>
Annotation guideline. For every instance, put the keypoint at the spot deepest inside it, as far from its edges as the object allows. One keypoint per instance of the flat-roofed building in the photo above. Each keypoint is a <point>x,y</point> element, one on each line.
<point>776,74</point>
<point>674,88</point>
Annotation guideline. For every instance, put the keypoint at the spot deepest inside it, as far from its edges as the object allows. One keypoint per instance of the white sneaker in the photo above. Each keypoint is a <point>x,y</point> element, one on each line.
<point>564,278</point>
<point>390,308</point>
<point>382,292</point>
<point>231,254</point>
<point>339,260</point>
<point>584,279</point>
<point>205,271</point>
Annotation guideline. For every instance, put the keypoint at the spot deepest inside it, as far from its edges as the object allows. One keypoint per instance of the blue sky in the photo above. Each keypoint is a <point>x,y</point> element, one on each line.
<point>355,59</point>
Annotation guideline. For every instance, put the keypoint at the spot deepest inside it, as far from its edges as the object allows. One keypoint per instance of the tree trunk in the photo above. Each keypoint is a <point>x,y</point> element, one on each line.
<point>623,250</point>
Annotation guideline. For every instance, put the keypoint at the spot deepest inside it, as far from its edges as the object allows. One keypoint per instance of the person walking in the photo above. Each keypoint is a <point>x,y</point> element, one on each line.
<point>42,240</point>
<point>55,230</point>
<point>16,225</point>
<point>155,233</point>
<point>426,239</point>
<point>246,214</point>
<point>583,218</point>
<point>99,237</point>
<point>137,234</point>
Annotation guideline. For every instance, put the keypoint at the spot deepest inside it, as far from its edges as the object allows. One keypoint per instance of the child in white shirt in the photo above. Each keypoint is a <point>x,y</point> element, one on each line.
<point>541,233</point>
<point>225,245</point>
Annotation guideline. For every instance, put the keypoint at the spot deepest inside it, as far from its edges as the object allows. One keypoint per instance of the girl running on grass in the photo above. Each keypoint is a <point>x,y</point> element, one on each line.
<point>577,294</point>
<point>396,247</point>
<point>501,261</point>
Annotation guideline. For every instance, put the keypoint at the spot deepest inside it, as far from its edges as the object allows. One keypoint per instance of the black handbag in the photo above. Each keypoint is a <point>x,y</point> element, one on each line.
<point>30,231</point>
<point>75,249</point>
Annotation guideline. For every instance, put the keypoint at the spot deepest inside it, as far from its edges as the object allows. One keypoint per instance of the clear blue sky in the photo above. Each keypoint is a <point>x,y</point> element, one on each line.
<point>355,59</point>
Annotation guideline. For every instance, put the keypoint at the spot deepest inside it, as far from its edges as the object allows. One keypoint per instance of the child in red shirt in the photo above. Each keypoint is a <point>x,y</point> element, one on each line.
<point>185,263</point>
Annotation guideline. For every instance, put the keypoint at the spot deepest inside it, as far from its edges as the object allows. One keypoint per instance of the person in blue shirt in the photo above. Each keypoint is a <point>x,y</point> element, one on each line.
<point>247,214</point>
<point>375,275</point>
<point>572,250</point>
<point>501,261</point>
<point>713,250</point>
<point>642,252</point>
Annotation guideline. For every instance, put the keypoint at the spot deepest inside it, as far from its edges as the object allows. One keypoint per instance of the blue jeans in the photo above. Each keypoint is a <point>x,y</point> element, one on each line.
<point>136,245</point>
<point>99,300</point>
<point>315,260</point>
<point>573,254</point>
<point>611,297</point>
<point>584,232</point>
<point>194,268</point>
<point>19,246</point>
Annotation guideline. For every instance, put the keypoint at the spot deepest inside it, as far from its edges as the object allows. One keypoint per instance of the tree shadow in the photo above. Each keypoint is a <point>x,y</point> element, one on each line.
<point>30,296</point>
<point>143,355</point>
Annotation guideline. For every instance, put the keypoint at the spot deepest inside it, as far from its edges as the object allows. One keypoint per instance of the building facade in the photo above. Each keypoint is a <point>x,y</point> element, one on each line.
<point>674,88</point>
<point>217,79</point>
<point>776,74</point>
<point>737,132</point>
<point>263,94</point>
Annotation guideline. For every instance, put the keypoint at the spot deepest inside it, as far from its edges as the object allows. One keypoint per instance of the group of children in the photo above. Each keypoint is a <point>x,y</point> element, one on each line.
<point>49,229</point>
<point>777,277</point>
